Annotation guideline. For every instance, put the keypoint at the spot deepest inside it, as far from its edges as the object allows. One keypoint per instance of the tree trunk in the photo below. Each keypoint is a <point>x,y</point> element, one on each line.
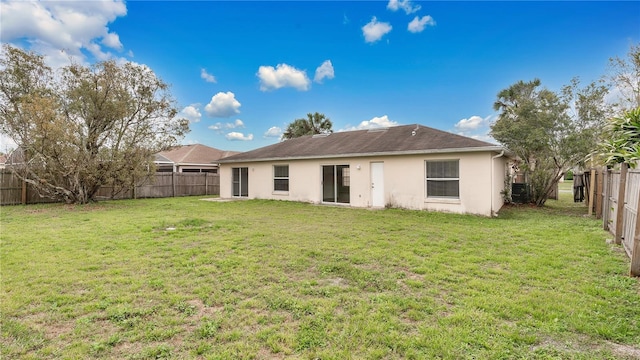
<point>543,199</point>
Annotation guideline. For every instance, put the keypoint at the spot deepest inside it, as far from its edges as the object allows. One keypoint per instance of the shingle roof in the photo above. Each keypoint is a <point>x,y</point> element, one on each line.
<point>160,158</point>
<point>394,140</point>
<point>193,154</point>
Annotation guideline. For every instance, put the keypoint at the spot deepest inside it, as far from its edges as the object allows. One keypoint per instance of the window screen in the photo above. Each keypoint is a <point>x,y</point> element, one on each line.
<point>443,179</point>
<point>281,178</point>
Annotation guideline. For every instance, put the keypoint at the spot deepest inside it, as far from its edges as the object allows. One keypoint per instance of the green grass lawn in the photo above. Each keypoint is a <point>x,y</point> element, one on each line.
<point>186,278</point>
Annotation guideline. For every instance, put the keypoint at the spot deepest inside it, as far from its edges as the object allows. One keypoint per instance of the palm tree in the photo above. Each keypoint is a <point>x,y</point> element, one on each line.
<point>315,123</point>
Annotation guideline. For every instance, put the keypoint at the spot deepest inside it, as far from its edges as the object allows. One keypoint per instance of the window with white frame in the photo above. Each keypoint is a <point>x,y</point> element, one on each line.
<point>443,179</point>
<point>281,178</point>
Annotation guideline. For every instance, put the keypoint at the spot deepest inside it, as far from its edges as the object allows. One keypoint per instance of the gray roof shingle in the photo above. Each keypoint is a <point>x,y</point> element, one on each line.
<point>386,141</point>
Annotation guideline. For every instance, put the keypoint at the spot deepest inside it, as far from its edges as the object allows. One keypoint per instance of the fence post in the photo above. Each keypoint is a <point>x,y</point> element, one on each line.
<point>620,210</point>
<point>24,193</point>
<point>592,188</point>
<point>599,196</point>
<point>206,183</point>
<point>173,183</point>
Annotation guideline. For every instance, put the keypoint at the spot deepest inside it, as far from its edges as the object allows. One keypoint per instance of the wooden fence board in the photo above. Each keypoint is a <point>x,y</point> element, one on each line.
<point>157,185</point>
<point>630,217</point>
<point>631,209</point>
<point>614,189</point>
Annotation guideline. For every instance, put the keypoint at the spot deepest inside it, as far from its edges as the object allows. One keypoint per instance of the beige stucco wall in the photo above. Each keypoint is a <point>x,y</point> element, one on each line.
<point>404,181</point>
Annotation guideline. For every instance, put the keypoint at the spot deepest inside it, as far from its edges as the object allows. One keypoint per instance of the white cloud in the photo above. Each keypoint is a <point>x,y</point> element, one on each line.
<point>472,123</point>
<point>237,136</point>
<point>376,122</point>
<point>223,105</point>
<point>273,131</point>
<point>324,71</point>
<point>484,137</point>
<point>418,23</point>
<point>112,40</point>
<point>220,127</point>
<point>187,141</point>
<point>62,30</point>
<point>282,75</point>
<point>207,77</point>
<point>375,30</point>
<point>191,113</point>
<point>405,5</point>
<point>97,52</point>
<point>476,127</point>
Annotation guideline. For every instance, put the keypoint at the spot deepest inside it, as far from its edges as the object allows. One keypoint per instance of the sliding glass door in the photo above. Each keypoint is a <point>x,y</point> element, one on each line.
<point>336,181</point>
<point>240,181</point>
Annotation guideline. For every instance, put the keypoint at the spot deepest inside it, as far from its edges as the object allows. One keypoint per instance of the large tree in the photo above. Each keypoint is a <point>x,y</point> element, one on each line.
<point>315,123</point>
<point>550,133</point>
<point>621,144</point>
<point>83,127</point>
<point>624,76</point>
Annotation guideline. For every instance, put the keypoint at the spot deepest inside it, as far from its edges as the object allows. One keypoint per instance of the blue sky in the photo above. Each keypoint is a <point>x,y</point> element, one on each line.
<point>241,71</point>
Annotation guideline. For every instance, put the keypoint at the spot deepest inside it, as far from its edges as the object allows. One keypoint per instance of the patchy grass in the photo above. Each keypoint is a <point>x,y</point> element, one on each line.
<point>185,278</point>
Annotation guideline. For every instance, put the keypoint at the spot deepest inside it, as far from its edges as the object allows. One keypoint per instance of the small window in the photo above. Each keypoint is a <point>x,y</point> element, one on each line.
<point>443,179</point>
<point>281,178</point>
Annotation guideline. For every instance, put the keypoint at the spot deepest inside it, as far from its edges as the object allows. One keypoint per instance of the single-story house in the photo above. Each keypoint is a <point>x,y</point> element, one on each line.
<point>190,158</point>
<point>412,166</point>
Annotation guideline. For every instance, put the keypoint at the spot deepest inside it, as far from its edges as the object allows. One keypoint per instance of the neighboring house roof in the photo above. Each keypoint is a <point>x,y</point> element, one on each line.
<point>15,157</point>
<point>192,154</point>
<point>397,140</point>
<point>161,159</point>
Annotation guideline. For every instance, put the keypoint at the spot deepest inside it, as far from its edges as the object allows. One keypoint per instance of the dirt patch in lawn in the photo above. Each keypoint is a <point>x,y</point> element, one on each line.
<point>222,199</point>
<point>627,351</point>
<point>202,310</point>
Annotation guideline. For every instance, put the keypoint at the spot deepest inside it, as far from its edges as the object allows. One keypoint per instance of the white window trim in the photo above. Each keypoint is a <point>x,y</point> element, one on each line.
<point>440,199</point>
<point>274,178</point>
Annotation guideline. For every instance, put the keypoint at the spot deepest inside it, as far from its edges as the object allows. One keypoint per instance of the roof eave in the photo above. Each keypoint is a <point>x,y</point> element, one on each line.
<point>495,148</point>
<point>197,164</point>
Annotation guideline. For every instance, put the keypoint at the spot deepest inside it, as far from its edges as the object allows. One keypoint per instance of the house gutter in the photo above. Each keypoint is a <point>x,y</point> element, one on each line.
<point>491,185</point>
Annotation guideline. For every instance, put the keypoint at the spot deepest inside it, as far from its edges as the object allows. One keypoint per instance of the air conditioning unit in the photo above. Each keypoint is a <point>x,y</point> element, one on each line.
<point>520,193</point>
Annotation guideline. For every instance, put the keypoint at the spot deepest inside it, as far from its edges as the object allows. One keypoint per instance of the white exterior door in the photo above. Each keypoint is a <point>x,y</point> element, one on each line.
<point>377,184</point>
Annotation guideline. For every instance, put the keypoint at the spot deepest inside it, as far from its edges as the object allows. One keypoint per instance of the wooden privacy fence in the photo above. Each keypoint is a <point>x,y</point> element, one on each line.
<point>13,191</point>
<point>620,199</point>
